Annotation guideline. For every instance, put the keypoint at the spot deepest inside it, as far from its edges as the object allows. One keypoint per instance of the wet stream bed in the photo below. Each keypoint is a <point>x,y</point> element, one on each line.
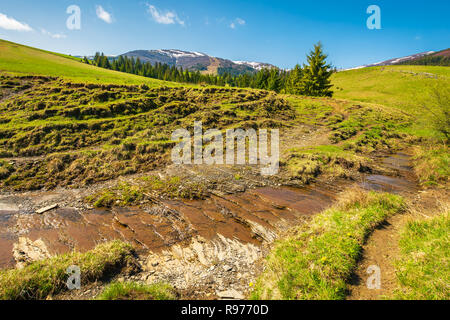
<point>251,217</point>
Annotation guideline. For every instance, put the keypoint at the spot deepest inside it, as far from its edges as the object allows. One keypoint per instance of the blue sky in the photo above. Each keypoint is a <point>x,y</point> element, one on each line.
<point>278,32</point>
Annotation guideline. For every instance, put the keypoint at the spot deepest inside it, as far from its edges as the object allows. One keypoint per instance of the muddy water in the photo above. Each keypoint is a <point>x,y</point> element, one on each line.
<point>402,181</point>
<point>252,217</point>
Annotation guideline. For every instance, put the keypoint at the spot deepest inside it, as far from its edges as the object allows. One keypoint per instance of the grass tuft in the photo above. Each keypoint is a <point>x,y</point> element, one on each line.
<point>43,278</point>
<point>305,164</point>
<point>431,164</point>
<point>136,291</point>
<point>147,188</point>
<point>423,270</point>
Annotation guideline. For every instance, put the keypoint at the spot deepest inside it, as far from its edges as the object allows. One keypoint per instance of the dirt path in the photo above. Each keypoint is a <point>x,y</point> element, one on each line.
<point>382,247</point>
<point>380,250</point>
<point>212,68</point>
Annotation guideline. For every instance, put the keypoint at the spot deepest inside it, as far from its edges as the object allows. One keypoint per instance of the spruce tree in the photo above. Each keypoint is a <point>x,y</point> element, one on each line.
<point>274,82</point>
<point>316,75</point>
<point>97,59</point>
<point>293,82</point>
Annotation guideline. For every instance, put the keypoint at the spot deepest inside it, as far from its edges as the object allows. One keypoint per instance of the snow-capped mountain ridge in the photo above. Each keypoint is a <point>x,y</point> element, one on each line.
<point>196,61</point>
<point>393,61</point>
<point>179,53</point>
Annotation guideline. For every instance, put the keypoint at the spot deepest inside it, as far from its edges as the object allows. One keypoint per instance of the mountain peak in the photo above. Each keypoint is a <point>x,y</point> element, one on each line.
<point>196,61</point>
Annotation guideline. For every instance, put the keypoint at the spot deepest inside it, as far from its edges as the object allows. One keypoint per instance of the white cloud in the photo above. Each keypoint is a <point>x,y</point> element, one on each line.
<point>237,22</point>
<point>53,35</point>
<point>168,17</point>
<point>12,24</point>
<point>240,21</point>
<point>103,14</point>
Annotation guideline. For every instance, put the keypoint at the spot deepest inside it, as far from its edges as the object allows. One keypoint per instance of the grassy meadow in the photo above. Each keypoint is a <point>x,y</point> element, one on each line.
<point>407,88</point>
<point>79,133</point>
<point>402,87</point>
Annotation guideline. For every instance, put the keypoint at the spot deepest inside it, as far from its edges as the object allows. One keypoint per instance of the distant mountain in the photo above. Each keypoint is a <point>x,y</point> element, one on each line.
<point>441,58</point>
<point>443,53</point>
<point>197,61</point>
<point>423,58</point>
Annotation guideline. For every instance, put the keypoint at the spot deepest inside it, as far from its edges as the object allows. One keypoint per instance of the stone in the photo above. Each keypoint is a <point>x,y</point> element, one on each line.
<point>48,208</point>
<point>26,251</point>
<point>227,268</point>
<point>230,294</point>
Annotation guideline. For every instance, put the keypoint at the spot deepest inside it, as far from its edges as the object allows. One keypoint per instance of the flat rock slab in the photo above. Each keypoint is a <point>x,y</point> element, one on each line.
<point>45,209</point>
<point>7,206</point>
<point>230,294</point>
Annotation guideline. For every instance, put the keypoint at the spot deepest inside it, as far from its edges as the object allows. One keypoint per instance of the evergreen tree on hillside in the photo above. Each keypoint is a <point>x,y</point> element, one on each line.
<point>261,79</point>
<point>293,81</point>
<point>316,75</point>
<point>138,67</point>
<point>97,59</point>
<point>105,62</point>
<point>274,81</point>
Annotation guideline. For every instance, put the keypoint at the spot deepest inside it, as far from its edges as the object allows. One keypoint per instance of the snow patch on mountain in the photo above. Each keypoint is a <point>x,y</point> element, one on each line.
<point>181,54</point>
<point>254,65</point>
<point>392,61</point>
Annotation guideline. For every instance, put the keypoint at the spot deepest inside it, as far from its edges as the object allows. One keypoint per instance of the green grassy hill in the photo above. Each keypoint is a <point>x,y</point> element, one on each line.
<point>18,59</point>
<point>403,87</point>
<point>411,89</point>
<point>87,124</point>
<point>86,116</point>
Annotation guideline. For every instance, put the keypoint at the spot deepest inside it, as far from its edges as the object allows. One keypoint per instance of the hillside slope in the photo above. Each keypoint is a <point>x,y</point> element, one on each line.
<point>131,126</point>
<point>403,87</point>
<point>19,59</point>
